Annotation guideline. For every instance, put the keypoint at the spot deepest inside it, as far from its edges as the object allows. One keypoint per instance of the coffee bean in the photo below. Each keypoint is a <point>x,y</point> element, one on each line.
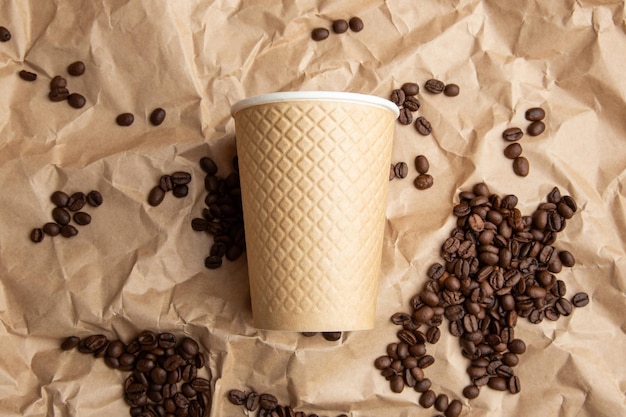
<point>356,24</point>
<point>94,198</point>
<point>512,134</point>
<point>331,336</point>
<point>441,402</point>
<point>410,89</point>
<point>5,34</point>
<point>580,299</point>
<point>517,346</point>
<point>521,167</point>
<point>514,384</point>
<point>213,262</point>
<point>454,409</point>
<point>405,117</point>
<point>70,342</point>
<point>27,75</point>
<point>567,258</point>
<point>397,384</point>
<point>434,86</point>
<point>156,196</point>
<point>76,201</point>
<point>236,397</point>
<point>411,103</point>
<point>59,198</point>
<point>401,170</point>
<point>181,178</point>
<point>36,235</point>
<point>423,126</point>
<point>498,383</point>
<point>76,100</point>
<point>268,401</point>
<point>536,128</point>
<point>58,94</point>
<point>125,119</point>
<point>423,181</point>
<point>180,191</point>
<point>58,82</point>
<point>427,399</point>
<point>451,90</point>
<point>82,218</point>
<point>513,150</point>
<point>157,116</point>
<point>76,68</point>
<point>340,26</point>
<point>397,97</point>
<point>421,164</point>
<point>51,229</point>
<point>423,385</point>
<point>61,216</point>
<point>208,165</point>
<point>534,114</point>
<point>319,34</point>
<point>471,391</point>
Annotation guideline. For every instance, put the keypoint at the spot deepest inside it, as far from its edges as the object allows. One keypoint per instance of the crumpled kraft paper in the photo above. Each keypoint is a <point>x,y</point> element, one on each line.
<point>139,267</point>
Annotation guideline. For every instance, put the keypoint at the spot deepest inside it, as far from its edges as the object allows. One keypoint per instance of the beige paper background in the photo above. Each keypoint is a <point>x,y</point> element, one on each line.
<point>138,267</point>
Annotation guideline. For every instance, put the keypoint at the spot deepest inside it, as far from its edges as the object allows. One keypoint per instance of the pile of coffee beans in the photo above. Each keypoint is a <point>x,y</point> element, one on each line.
<point>175,182</point>
<point>266,405</point>
<point>5,34</point>
<point>164,377</point>
<point>355,24</point>
<point>59,91</point>
<point>535,116</point>
<point>499,266</point>
<point>67,208</point>
<point>223,215</point>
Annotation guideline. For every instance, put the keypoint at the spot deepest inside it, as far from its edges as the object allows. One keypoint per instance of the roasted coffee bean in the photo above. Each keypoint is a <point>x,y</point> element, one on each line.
<point>423,181</point>
<point>534,114</point>
<point>331,336</point>
<point>156,196</point>
<point>252,401</point>
<point>27,75</point>
<point>200,384</point>
<point>356,24</point>
<point>434,86</point>
<point>567,259</point>
<point>580,299</point>
<point>536,128</point>
<point>427,399</point>
<point>59,198</point>
<point>199,224</point>
<point>421,164</point>
<point>423,385</point>
<point>397,384</point>
<point>498,383</point>
<point>37,235</point>
<point>268,401</point>
<point>125,119</point>
<point>521,166</point>
<point>340,26</point>
<point>410,89</point>
<point>82,218</point>
<point>58,94</point>
<point>51,229</point>
<point>213,262</point>
<point>115,349</point>
<point>166,183</point>
<point>76,201</point>
<point>94,198</point>
<point>181,178</point>
<point>405,117</point>
<point>208,165</point>
<point>70,343</point>
<point>471,391</point>
<point>454,409</point>
<point>180,190</point>
<point>157,116</point>
<point>61,216</point>
<point>513,150</point>
<point>441,402</point>
<point>423,126</point>
<point>425,361</point>
<point>5,34</point>
<point>512,134</point>
<point>401,169</point>
<point>397,97</point>
<point>451,90</point>
<point>319,34</point>
<point>58,82</point>
<point>91,344</point>
<point>76,68</point>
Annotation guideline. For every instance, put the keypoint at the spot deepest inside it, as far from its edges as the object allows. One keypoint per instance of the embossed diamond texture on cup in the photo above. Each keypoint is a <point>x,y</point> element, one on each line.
<point>314,196</point>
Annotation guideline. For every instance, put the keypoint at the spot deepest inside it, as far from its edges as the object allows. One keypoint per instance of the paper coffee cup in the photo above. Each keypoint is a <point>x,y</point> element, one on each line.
<point>314,171</point>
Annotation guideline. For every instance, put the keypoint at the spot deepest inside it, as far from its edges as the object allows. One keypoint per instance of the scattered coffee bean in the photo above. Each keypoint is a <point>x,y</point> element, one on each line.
<point>76,201</point>
<point>423,126</point>
<point>356,24</point>
<point>536,128</point>
<point>157,116</point>
<point>521,167</point>
<point>27,75</point>
<point>434,86</point>
<point>331,336</point>
<point>76,100</point>
<point>180,190</point>
<point>5,35</point>
<point>423,181</point>
<point>513,150</point>
<point>401,170</point>
<point>68,231</point>
<point>76,68</point>
<point>580,299</point>
<point>397,97</point>
<point>534,114</point>
<point>81,218</point>
<point>454,409</point>
<point>59,198</point>
<point>340,26</point>
<point>58,94</point>
<point>451,90</point>
<point>125,119</point>
<point>94,198</point>
<point>36,235</point>
<point>58,82</point>
<point>405,117</point>
<point>319,34</point>
<point>61,216</point>
<point>512,134</point>
<point>51,229</point>
<point>410,89</point>
<point>421,164</point>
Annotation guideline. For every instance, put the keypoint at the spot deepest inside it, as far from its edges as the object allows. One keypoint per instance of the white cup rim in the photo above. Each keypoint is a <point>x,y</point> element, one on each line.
<point>313,96</point>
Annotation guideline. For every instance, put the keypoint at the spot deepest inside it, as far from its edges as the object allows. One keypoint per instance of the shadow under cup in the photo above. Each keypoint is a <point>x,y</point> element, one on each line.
<point>314,170</point>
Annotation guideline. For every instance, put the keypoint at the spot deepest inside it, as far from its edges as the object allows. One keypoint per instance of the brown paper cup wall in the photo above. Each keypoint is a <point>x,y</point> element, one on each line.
<point>314,178</point>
